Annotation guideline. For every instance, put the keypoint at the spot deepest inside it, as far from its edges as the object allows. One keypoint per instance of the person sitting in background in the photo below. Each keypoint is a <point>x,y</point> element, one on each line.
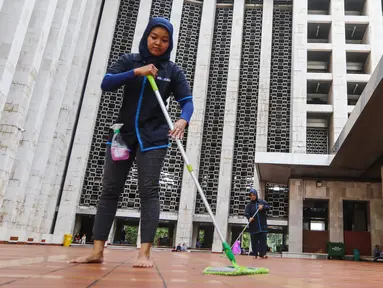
<point>378,254</point>
<point>83,239</point>
<point>184,248</point>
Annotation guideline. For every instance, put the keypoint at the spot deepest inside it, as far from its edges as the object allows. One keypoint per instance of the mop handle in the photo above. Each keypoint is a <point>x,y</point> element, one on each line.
<point>256,212</point>
<point>183,153</point>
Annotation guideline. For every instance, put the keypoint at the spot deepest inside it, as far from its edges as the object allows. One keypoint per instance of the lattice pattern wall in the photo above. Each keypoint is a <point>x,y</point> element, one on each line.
<point>109,105</point>
<point>280,82</point>
<point>283,2</point>
<point>215,109</point>
<point>161,8</point>
<point>317,140</point>
<point>172,172</point>
<point>254,2</point>
<point>278,201</point>
<point>225,1</point>
<point>245,134</point>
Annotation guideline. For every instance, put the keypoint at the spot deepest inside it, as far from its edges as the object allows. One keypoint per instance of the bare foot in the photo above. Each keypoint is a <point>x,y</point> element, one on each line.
<point>92,259</point>
<point>143,262</point>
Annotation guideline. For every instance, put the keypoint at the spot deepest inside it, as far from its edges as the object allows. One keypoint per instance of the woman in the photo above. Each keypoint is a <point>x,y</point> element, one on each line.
<point>145,132</point>
<point>258,224</point>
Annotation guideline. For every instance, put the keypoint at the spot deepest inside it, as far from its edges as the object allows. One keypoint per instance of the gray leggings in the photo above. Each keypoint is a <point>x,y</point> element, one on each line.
<point>149,165</point>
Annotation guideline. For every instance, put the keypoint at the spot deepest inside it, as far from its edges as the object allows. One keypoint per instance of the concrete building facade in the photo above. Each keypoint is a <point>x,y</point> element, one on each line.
<point>275,86</point>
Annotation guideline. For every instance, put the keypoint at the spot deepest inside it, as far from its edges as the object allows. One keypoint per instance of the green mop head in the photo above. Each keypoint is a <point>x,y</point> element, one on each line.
<point>234,271</point>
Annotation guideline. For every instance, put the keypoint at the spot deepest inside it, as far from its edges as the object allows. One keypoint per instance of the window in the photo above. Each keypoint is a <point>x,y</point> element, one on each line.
<point>319,7</point>
<point>358,63</point>
<point>318,61</point>
<point>354,90</point>
<point>317,226</point>
<point>318,92</point>
<point>354,7</point>
<point>318,32</point>
<point>356,33</point>
<point>315,214</point>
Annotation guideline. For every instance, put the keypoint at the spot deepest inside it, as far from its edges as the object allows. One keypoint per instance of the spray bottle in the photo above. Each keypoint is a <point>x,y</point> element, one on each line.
<point>119,149</point>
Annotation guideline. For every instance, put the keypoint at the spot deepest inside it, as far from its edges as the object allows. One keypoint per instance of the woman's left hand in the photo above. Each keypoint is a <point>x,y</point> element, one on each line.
<point>179,129</point>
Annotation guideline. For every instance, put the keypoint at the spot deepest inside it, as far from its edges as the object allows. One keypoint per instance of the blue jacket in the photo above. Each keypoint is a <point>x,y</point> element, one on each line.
<point>260,221</point>
<point>144,122</point>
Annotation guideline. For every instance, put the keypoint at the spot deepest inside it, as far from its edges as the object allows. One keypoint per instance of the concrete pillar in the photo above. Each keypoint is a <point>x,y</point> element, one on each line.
<point>228,136</point>
<point>24,82</point>
<point>376,217</point>
<point>264,76</point>
<point>112,232</point>
<point>296,215</point>
<point>175,19</point>
<point>51,202</point>
<point>50,122</point>
<point>77,225</point>
<point>60,139</point>
<point>299,78</point>
<point>262,190</point>
<point>173,243</point>
<point>83,138</point>
<point>376,220</point>
<point>374,11</point>
<point>138,243</point>
<point>195,235</point>
<point>14,20</point>
<point>37,107</point>
<point>336,233</point>
<point>142,22</point>
<point>338,93</point>
<point>195,130</point>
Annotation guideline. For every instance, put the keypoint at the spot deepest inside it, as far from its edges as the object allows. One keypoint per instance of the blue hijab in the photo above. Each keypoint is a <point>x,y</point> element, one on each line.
<point>144,51</point>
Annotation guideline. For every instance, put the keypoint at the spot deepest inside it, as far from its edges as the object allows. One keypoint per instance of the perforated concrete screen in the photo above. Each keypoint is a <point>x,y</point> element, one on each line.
<point>161,8</point>
<point>246,125</point>
<point>109,106</point>
<point>215,109</point>
<point>317,140</point>
<point>280,82</point>
<point>253,1</point>
<point>278,199</point>
<point>225,1</point>
<point>172,172</point>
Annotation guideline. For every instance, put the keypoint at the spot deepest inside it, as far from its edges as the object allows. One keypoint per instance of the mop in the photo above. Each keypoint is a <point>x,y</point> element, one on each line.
<point>247,225</point>
<point>235,269</point>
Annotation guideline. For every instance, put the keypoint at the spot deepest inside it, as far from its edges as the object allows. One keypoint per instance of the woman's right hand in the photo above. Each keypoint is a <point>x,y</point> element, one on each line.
<point>146,70</point>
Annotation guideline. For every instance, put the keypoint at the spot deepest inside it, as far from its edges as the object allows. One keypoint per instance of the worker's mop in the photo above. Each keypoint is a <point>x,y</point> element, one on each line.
<point>240,235</point>
<point>235,269</point>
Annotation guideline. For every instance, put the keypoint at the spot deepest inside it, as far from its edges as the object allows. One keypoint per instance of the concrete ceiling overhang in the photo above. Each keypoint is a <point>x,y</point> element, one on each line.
<point>360,144</point>
<point>357,153</point>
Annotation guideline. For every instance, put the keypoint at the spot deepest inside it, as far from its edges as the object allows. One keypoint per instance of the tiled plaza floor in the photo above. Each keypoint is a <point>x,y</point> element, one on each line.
<point>38,266</point>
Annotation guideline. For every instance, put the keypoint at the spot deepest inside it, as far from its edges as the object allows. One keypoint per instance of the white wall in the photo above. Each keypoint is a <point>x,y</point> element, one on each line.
<point>41,69</point>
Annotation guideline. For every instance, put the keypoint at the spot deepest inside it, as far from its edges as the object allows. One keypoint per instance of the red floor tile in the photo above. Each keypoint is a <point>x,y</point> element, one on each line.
<point>39,266</point>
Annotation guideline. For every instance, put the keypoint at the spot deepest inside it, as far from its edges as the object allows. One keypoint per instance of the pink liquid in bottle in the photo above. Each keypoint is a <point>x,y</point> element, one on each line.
<point>120,153</point>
